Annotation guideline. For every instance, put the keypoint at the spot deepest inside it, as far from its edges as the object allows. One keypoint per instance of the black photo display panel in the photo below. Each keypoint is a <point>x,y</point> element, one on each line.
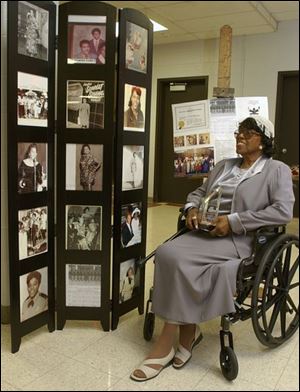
<point>131,168</point>
<point>30,144</point>
<point>85,140</point>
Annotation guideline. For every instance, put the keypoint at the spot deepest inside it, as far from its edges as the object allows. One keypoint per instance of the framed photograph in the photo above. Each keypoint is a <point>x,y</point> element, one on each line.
<point>33,293</point>
<point>131,224</point>
<point>83,227</point>
<point>86,39</point>
<point>32,100</point>
<point>33,232</point>
<point>83,285</point>
<point>85,104</point>
<point>133,168</point>
<point>84,167</point>
<point>32,167</point>
<point>194,161</point>
<point>136,47</point>
<point>33,39</point>
<point>134,108</point>
<point>129,280</point>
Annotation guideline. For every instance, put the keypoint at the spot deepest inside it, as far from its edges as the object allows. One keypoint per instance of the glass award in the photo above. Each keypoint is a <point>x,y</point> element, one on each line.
<point>210,209</point>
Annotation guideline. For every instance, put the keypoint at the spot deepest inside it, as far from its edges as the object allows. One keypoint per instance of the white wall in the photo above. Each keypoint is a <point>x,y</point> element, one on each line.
<point>256,60</point>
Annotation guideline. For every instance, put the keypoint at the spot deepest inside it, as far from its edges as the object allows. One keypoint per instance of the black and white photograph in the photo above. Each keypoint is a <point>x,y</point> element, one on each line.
<point>85,104</point>
<point>33,23</point>
<point>86,39</point>
<point>136,47</point>
<point>222,106</point>
<point>129,280</point>
<point>83,227</point>
<point>131,224</point>
<point>83,285</point>
<point>32,167</point>
<point>32,100</point>
<point>133,167</point>
<point>193,162</point>
<point>33,232</point>
<point>134,108</point>
<point>33,293</point>
<point>84,167</point>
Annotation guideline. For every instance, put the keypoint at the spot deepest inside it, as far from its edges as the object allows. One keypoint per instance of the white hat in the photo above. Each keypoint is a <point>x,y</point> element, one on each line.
<point>265,125</point>
<point>136,210</point>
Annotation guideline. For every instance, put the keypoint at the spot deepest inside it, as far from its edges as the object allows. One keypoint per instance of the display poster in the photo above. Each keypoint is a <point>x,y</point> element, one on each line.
<point>131,224</point>
<point>134,108</point>
<point>136,47</point>
<point>129,280</point>
<point>32,100</point>
<point>33,293</point>
<point>133,167</point>
<point>85,104</point>
<point>83,285</point>
<point>33,38</point>
<point>83,227</point>
<point>86,39</point>
<point>84,167</point>
<point>33,232</point>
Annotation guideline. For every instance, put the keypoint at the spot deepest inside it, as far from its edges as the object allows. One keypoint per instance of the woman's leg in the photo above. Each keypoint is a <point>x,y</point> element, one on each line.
<point>162,347</point>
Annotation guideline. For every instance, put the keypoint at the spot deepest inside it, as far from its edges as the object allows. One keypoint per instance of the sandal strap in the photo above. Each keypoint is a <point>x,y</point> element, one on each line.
<point>160,361</point>
<point>182,353</point>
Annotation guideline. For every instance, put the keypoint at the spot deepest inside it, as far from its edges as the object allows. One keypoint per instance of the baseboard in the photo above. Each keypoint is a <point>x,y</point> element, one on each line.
<point>5,314</point>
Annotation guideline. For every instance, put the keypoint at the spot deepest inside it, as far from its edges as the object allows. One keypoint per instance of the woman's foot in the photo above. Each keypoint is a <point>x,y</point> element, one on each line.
<point>190,336</point>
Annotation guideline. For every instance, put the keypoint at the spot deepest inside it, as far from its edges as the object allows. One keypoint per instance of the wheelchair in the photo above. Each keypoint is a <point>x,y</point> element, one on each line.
<point>266,280</point>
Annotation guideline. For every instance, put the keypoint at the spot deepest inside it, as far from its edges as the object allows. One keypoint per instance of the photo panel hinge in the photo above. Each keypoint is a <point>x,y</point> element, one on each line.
<point>56,43</point>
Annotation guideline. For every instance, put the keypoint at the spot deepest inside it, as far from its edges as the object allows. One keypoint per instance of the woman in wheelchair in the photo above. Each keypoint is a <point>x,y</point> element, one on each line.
<point>195,274</point>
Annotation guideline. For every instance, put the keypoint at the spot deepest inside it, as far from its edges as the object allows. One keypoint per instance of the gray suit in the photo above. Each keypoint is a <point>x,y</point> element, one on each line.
<point>195,274</point>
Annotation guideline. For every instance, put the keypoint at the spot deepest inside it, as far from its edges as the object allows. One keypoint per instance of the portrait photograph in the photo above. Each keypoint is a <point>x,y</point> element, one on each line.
<point>136,47</point>
<point>191,140</point>
<point>86,39</point>
<point>84,167</point>
<point>204,138</point>
<point>131,224</point>
<point>33,293</point>
<point>129,280</point>
<point>193,162</point>
<point>32,167</point>
<point>178,141</point>
<point>32,100</point>
<point>134,108</point>
<point>83,285</point>
<point>33,232</point>
<point>83,227</point>
<point>33,38</point>
<point>85,104</point>
<point>133,167</point>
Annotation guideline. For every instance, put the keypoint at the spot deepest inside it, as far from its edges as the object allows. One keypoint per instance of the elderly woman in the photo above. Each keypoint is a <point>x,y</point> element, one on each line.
<point>195,274</point>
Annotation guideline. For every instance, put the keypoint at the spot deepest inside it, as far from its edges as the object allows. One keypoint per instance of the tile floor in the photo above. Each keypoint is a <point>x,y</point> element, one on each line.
<point>84,358</point>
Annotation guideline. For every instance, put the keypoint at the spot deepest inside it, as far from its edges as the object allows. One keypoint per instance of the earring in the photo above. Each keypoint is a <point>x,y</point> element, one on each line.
<point>260,147</point>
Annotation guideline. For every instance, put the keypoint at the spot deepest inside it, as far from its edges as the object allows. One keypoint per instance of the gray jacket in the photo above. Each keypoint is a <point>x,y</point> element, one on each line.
<point>264,197</point>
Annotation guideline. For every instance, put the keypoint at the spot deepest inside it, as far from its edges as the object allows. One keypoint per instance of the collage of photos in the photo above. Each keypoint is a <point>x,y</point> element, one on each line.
<point>85,104</point>
<point>83,227</point>
<point>222,107</point>
<point>33,232</point>
<point>129,280</point>
<point>193,162</point>
<point>84,167</point>
<point>136,47</point>
<point>32,100</point>
<point>32,167</point>
<point>133,168</point>
<point>86,39</point>
<point>192,140</point>
<point>134,108</point>
<point>83,285</point>
<point>33,25</point>
<point>131,224</point>
<point>33,293</point>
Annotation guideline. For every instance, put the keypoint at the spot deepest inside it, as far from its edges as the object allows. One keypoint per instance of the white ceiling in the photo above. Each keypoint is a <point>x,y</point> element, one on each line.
<point>192,20</point>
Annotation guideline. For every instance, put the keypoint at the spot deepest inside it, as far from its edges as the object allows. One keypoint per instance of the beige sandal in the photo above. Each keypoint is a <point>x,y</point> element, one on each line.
<point>185,355</point>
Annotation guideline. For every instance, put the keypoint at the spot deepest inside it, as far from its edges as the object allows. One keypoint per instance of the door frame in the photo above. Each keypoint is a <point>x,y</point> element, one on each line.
<point>160,85</point>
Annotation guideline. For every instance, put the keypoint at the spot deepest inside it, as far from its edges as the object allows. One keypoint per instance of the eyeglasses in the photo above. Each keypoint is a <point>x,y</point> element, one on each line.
<point>247,133</point>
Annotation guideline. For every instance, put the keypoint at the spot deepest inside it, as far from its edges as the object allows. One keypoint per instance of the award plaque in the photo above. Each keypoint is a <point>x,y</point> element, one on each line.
<point>210,209</point>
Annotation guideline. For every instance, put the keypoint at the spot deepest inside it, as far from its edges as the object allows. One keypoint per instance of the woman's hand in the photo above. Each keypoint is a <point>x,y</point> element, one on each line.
<point>222,227</point>
<point>193,218</point>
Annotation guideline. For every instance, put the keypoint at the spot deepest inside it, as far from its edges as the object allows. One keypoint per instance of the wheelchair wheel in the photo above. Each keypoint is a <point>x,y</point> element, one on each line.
<point>149,324</point>
<point>275,315</point>
<point>229,364</point>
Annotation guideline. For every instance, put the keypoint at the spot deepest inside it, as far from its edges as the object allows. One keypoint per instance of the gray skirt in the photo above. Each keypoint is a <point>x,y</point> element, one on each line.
<point>195,278</point>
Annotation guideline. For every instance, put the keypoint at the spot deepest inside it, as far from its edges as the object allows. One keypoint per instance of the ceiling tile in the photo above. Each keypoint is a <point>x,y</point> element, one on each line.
<point>281,6</point>
<point>287,15</point>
